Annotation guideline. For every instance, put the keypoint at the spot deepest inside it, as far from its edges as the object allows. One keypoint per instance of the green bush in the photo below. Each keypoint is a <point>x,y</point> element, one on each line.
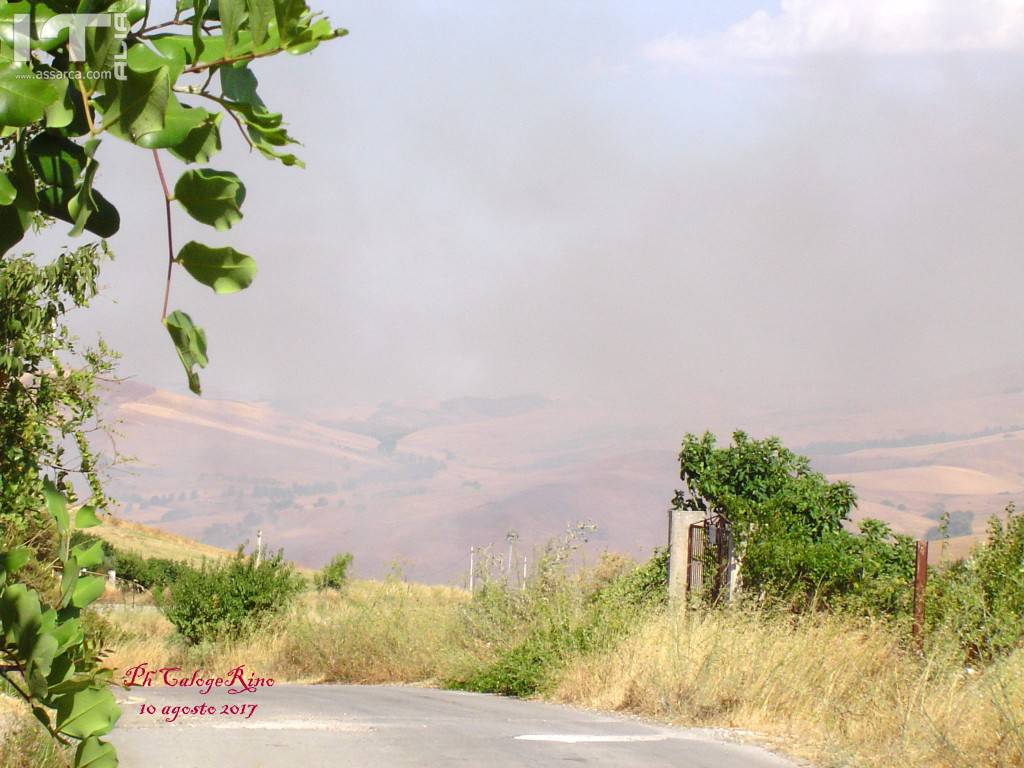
<point>230,598</point>
<point>153,573</point>
<point>565,622</point>
<point>870,572</point>
<point>980,601</point>
<point>790,528</point>
<point>334,575</point>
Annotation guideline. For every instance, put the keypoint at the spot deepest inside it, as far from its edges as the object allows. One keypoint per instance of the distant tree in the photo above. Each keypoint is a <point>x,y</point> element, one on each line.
<point>334,575</point>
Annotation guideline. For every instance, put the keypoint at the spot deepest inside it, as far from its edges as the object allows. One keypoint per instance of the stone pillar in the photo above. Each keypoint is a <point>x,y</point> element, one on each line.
<point>679,522</point>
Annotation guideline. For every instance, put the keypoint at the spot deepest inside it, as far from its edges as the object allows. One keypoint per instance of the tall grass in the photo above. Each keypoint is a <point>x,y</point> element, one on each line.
<point>838,690</point>
<point>23,742</point>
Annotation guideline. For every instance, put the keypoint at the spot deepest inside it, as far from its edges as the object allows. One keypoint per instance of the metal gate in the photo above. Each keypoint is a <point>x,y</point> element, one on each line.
<point>708,553</point>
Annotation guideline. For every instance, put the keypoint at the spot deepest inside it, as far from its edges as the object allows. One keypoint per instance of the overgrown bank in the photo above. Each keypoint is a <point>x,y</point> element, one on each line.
<point>840,689</point>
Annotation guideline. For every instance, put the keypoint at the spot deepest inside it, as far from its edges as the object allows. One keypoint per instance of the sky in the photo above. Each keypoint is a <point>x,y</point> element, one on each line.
<point>624,203</point>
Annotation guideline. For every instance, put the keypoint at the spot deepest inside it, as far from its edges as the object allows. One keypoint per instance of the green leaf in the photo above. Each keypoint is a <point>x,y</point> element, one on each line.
<point>212,197</point>
<point>289,14</point>
<point>23,178</point>
<point>93,753</point>
<point>40,657</point>
<point>68,633</point>
<point>199,8</point>
<point>88,556</point>
<point>137,105</point>
<point>179,122</point>
<point>87,589</point>
<point>24,98</point>
<point>7,190</point>
<point>13,559</point>
<point>231,12</point>
<point>91,712</point>
<point>57,505</point>
<point>225,270</point>
<point>190,343</point>
<point>19,612</point>
<point>104,221</point>
<point>166,51</point>
<point>61,113</point>
<point>261,13</point>
<point>239,84</point>
<point>86,518</point>
<point>26,626</point>
<point>266,130</point>
<point>83,203</point>
<point>58,161</point>
<point>202,142</point>
<point>14,222</point>
<point>68,581</point>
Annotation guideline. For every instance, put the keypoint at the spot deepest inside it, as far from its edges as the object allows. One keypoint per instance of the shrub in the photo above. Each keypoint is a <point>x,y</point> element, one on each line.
<point>565,622</point>
<point>154,573</point>
<point>869,572</point>
<point>334,575</point>
<point>230,598</point>
<point>980,601</point>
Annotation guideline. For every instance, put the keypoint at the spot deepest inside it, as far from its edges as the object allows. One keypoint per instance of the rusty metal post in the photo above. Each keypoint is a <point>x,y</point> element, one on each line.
<point>920,583</point>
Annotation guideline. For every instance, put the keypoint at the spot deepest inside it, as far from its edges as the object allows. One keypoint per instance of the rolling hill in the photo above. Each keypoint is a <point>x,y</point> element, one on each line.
<point>415,485</point>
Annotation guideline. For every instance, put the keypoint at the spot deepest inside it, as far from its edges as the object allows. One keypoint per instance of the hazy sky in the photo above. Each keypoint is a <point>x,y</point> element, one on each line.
<point>619,201</point>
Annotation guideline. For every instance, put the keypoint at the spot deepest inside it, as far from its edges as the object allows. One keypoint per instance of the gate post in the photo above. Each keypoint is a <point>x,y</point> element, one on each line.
<point>679,521</point>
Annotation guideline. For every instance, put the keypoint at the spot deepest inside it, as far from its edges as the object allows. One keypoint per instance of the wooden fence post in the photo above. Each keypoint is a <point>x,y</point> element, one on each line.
<point>920,584</point>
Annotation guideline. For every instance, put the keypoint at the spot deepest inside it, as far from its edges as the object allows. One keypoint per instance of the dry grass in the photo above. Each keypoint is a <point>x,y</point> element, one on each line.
<point>23,742</point>
<point>825,688</point>
<point>840,693</point>
<point>374,631</point>
<point>151,542</point>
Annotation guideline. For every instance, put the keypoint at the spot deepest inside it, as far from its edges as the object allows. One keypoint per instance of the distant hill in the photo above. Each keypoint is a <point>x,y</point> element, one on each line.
<point>146,541</point>
<point>415,485</point>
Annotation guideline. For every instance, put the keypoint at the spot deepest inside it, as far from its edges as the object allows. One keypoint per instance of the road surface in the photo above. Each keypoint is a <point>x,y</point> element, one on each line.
<point>306,726</point>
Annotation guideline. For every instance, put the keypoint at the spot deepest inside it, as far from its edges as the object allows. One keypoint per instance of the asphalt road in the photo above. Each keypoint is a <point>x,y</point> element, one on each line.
<point>304,726</point>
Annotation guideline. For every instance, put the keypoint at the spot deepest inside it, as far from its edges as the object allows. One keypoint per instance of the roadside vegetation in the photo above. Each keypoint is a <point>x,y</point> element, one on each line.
<point>838,682</point>
<point>814,656</point>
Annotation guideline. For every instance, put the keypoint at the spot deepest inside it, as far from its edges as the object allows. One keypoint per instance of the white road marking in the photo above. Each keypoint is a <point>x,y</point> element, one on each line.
<point>292,725</point>
<point>579,738</point>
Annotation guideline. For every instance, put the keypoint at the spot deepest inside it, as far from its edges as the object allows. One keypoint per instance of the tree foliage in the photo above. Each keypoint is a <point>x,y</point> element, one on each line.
<point>334,575</point>
<point>232,598</point>
<point>980,600</point>
<point>757,483</point>
<point>48,399</point>
<point>161,86</point>
<point>164,87</point>
<point>789,525</point>
<point>44,655</point>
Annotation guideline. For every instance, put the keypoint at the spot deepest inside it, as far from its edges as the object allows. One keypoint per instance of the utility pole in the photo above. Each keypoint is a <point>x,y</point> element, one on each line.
<point>259,547</point>
<point>472,552</point>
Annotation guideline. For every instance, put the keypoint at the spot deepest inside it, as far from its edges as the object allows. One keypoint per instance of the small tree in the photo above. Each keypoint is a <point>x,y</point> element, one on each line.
<point>231,598</point>
<point>787,522</point>
<point>334,575</point>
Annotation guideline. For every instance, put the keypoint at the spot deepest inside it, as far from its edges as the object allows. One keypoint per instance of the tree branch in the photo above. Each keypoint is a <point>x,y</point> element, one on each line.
<point>170,239</point>
<point>224,105</point>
